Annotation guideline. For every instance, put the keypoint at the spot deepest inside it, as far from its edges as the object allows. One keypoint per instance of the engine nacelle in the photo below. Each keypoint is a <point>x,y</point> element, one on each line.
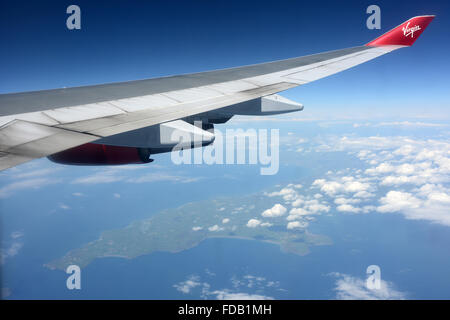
<point>100,154</point>
<point>163,137</point>
<point>137,146</point>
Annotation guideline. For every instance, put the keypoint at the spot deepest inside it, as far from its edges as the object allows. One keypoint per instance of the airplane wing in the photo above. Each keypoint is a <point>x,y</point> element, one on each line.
<point>42,123</point>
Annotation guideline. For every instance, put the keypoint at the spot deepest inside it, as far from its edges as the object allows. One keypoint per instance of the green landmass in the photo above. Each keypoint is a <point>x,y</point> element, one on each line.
<point>178,229</point>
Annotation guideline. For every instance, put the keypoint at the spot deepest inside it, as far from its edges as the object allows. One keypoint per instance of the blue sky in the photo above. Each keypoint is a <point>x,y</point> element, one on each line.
<point>127,40</point>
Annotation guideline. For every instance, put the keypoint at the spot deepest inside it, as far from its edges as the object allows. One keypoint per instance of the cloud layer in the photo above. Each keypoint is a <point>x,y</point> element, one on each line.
<point>353,288</point>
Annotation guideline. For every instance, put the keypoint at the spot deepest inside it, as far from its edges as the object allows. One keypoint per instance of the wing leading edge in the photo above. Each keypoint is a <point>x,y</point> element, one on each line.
<point>41,123</point>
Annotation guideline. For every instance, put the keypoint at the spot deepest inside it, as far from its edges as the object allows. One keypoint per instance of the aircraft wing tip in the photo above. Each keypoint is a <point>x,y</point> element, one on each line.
<point>405,34</point>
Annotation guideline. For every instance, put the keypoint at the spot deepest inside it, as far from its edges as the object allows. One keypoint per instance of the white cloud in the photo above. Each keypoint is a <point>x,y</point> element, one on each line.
<point>314,207</point>
<point>158,177</point>
<point>397,200</point>
<point>298,202</point>
<point>36,173</point>
<point>227,295</point>
<point>288,193</point>
<point>404,150</point>
<point>99,177</point>
<point>356,186</point>
<point>346,185</point>
<point>251,281</point>
<point>336,143</point>
<point>414,124</point>
<point>296,225</point>
<point>421,167</point>
<point>266,224</point>
<point>276,211</point>
<point>37,183</point>
<point>363,194</point>
<point>347,208</point>
<point>369,208</point>
<point>429,203</point>
<point>13,247</point>
<point>186,286</point>
<point>253,223</point>
<point>352,288</point>
<point>329,187</point>
<point>238,292</point>
<point>406,169</point>
<point>196,228</point>
<point>399,180</point>
<point>215,228</point>
<point>125,174</point>
<point>17,234</point>
<point>299,212</point>
<point>226,220</point>
<point>427,154</point>
<point>342,200</point>
<point>441,197</point>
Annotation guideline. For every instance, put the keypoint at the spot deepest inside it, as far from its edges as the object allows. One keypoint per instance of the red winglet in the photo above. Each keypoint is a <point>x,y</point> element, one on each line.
<point>405,34</point>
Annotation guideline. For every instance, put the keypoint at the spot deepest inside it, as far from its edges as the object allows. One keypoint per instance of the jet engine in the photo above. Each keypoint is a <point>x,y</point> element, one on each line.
<point>101,154</point>
<point>137,146</point>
